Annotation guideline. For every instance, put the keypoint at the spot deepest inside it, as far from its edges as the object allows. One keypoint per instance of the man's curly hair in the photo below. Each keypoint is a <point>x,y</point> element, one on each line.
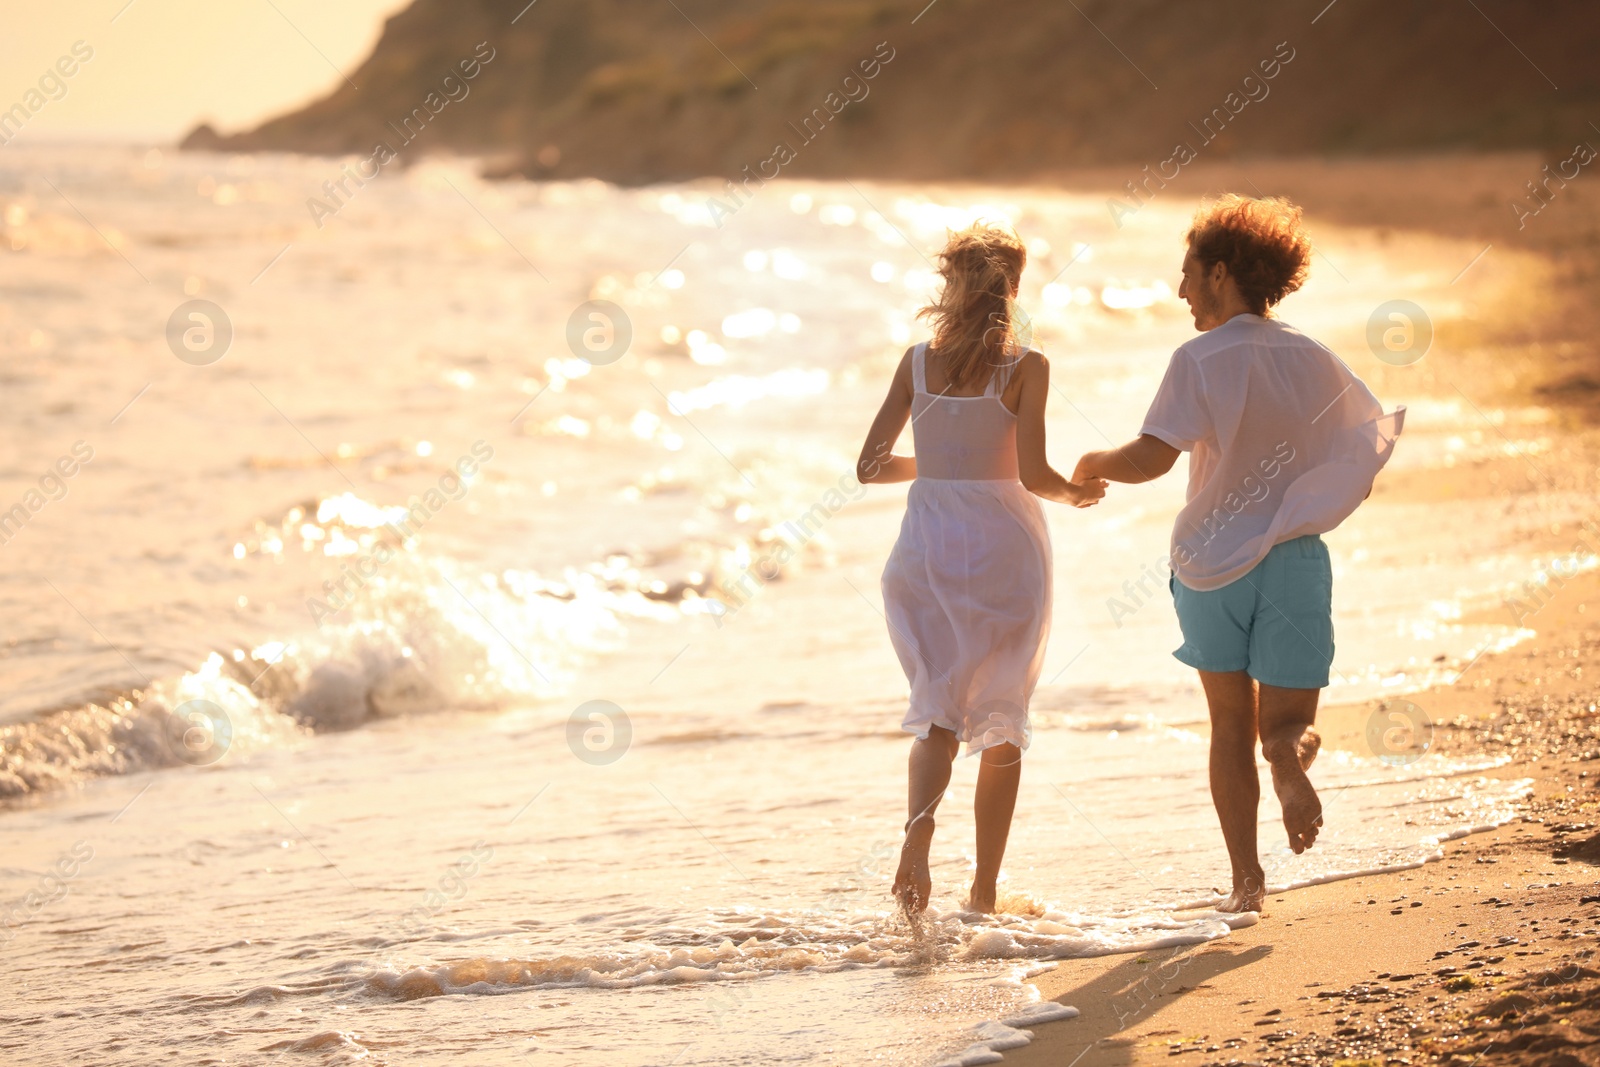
<point>1259,241</point>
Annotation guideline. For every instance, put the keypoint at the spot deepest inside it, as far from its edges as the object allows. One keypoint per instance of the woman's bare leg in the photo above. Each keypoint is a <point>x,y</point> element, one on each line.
<point>929,774</point>
<point>993,805</point>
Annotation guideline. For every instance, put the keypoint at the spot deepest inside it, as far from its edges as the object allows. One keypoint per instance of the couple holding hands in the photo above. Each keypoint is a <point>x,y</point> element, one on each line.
<point>1284,443</point>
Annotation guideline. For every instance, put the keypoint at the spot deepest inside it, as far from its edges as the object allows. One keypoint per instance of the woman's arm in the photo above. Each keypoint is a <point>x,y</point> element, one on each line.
<point>878,463</point>
<point>1038,477</point>
<point>1141,460</point>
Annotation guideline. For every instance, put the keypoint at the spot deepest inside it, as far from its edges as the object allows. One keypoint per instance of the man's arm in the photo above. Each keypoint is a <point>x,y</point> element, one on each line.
<point>1141,460</point>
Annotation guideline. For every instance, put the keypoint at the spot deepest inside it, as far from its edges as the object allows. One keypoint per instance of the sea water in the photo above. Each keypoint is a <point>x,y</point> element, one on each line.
<point>418,678</point>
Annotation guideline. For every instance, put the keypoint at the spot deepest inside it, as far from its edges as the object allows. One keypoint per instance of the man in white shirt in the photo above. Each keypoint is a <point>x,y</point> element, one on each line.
<point>1284,444</point>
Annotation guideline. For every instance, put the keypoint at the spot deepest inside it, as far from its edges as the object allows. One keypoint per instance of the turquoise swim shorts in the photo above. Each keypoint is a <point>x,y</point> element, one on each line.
<point>1275,622</point>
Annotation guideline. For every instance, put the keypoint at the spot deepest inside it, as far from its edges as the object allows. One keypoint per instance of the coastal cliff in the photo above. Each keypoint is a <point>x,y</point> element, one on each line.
<point>636,91</point>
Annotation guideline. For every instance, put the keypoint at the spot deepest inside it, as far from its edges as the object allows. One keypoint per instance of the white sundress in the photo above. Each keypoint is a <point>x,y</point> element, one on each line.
<point>967,588</point>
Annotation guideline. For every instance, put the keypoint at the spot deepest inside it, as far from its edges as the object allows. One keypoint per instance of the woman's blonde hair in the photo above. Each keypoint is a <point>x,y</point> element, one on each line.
<point>971,317</point>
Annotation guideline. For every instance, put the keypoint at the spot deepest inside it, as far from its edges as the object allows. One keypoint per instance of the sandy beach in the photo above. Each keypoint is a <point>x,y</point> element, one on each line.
<point>1484,956</point>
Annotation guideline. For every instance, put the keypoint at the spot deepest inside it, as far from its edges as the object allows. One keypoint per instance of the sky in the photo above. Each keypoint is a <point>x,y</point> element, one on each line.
<point>159,67</point>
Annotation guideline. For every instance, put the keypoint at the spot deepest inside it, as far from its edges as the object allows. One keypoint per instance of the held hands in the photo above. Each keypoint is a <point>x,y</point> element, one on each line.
<point>1089,485</point>
<point>1089,491</point>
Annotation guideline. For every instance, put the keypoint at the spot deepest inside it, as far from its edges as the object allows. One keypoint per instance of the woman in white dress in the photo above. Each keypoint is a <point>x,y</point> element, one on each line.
<point>967,587</point>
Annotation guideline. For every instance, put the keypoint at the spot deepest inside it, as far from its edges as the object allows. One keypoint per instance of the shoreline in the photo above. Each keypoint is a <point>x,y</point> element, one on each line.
<point>1486,955</point>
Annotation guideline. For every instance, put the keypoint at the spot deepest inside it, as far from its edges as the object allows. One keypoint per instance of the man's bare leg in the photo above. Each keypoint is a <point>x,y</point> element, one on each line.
<point>993,805</point>
<point>1235,788</point>
<point>929,774</point>
<point>1290,742</point>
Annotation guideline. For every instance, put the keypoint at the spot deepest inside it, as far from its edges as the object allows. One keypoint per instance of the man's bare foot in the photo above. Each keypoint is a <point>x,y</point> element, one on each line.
<point>1289,758</point>
<point>1244,899</point>
<point>1305,745</point>
<point>981,899</point>
<point>913,884</point>
<point>1249,893</point>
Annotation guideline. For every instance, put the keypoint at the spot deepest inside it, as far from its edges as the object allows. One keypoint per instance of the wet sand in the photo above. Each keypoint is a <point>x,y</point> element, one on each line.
<point>1488,955</point>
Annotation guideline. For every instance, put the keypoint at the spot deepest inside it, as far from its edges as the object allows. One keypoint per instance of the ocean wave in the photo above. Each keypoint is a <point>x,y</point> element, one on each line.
<point>425,636</point>
<point>737,946</point>
<point>396,632</point>
<point>996,1036</point>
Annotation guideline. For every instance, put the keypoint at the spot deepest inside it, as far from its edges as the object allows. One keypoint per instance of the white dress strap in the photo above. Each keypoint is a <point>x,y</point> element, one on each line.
<point>919,369</point>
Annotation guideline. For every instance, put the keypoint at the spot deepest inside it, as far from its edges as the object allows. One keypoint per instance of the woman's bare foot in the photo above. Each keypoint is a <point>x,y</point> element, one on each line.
<point>913,884</point>
<point>1290,757</point>
<point>982,898</point>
